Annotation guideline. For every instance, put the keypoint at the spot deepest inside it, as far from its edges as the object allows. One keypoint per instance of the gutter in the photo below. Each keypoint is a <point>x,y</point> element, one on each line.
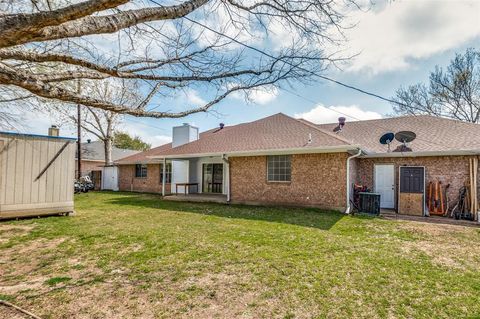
<point>422,153</point>
<point>302,150</point>
<point>225,159</point>
<point>348,207</point>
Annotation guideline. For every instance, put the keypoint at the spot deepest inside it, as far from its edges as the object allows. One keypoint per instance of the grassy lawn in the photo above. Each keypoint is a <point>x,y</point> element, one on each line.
<point>136,256</point>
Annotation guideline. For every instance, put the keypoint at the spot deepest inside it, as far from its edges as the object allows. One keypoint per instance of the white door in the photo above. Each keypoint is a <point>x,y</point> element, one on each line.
<point>110,178</point>
<point>385,184</point>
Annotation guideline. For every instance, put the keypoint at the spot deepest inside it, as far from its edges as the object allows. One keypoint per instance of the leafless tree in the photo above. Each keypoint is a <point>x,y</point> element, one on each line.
<point>453,93</point>
<point>164,47</point>
<point>98,122</point>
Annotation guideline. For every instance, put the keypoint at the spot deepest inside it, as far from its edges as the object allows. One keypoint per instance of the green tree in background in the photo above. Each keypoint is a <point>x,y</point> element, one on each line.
<point>124,141</point>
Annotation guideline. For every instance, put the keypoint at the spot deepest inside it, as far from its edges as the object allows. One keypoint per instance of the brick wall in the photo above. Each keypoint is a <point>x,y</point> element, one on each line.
<point>88,166</point>
<point>151,184</point>
<point>453,170</point>
<point>317,180</point>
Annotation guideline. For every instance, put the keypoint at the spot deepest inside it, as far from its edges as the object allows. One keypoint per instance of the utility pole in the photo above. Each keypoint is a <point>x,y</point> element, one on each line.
<point>79,136</point>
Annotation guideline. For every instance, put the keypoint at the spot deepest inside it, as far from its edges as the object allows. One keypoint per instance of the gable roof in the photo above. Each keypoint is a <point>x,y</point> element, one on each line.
<point>95,151</point>
<point>281,132</point>
<point>434,134</point>
<point>276,132</point>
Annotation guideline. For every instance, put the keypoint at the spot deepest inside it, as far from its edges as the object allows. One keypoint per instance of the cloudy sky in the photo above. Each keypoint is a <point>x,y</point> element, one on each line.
<point>398,43</point>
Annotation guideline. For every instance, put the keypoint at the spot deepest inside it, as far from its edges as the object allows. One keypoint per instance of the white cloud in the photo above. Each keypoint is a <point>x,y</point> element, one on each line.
<point>144,131</point>
<point>388,37</point>
<point>261,95</point>
<point>330,114</point>
<point>194,98</point>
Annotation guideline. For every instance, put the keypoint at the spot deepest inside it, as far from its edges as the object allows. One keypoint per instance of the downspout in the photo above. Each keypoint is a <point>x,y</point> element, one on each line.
<point>347,210</point>
<point>225,159</point>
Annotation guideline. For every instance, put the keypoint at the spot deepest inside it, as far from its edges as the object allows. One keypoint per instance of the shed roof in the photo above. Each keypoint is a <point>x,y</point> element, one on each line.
<point>37,136</point>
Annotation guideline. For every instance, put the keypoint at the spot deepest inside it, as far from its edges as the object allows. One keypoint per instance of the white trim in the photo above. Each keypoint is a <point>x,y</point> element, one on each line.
<point>303,150</point>
<point>227,176</point>
<point>420,154</point>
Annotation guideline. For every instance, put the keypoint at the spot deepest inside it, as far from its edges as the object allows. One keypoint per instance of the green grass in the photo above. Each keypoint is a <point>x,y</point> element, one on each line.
<point>57,280</point>
<point>132,255</point>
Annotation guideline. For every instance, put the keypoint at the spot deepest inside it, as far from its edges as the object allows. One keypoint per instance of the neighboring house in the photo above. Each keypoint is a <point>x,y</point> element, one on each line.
<point>282,160</point>
<point>93,158</point>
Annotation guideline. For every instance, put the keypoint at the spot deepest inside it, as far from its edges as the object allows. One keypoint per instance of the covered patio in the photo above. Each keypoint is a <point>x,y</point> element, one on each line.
<point>199,198</point>
<point>198,179</point>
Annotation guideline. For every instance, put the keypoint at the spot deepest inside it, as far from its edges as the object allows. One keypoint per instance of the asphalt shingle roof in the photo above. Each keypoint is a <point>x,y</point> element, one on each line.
<point>277,132</point>
<point>95,151</point>
<point>280,131</point>
<point>433,133</point>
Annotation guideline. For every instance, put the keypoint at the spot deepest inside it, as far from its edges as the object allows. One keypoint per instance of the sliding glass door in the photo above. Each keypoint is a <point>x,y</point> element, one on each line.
<point>212,178</point>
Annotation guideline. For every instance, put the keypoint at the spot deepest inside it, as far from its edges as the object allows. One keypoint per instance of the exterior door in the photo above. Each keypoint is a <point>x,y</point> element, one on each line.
<point>110,178</point>
<point>385,184</point>
<point>212,178</point>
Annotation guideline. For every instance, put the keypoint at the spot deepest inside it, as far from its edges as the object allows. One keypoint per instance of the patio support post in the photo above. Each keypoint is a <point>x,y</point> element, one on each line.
<point>225,159</point>
<point>164,170</point>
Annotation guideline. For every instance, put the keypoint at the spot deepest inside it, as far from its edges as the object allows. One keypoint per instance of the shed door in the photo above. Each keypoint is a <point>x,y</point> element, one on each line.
<point>385,184</point>
<point>110,178</point>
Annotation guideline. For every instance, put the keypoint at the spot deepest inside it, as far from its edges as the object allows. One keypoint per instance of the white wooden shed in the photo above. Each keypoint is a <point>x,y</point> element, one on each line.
<point>36,174</point>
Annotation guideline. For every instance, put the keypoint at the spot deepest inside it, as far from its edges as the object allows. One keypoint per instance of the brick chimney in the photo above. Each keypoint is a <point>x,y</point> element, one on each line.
<point>53,131</point>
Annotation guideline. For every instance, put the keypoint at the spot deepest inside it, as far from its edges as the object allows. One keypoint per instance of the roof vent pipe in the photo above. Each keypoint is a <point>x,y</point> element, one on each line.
<point>341,124</point>
<point>309,138</point>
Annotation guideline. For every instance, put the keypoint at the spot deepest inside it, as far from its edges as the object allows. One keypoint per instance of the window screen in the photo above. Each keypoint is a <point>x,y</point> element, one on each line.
<point>168,173</point>
<point>140,170</point>
<point>279,168</point>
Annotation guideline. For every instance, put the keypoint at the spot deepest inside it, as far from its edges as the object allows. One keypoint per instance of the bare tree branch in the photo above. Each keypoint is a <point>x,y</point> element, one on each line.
<point>91,24</point>
<point>453,93</point>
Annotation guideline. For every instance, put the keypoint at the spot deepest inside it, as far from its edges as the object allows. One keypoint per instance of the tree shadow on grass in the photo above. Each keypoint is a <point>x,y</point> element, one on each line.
<point>306,217</point>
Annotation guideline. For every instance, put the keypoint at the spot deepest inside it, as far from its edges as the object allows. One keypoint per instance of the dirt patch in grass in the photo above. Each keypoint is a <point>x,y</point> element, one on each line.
<point>22,265</point>
<point>220,295</point>
<point>11,313</point>
<point>446,245</point>
<point>8,231</point>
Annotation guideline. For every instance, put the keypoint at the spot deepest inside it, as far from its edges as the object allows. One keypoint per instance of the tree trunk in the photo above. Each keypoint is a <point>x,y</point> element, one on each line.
<point>107,143</point>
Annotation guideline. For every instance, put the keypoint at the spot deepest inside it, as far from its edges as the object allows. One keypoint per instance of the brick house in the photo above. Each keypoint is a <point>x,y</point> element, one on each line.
<point>287,161</point>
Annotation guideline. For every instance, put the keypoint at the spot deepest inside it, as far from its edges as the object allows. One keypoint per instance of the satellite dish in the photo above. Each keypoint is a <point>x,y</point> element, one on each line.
<point>405,136</point>
<point>386,139</point>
